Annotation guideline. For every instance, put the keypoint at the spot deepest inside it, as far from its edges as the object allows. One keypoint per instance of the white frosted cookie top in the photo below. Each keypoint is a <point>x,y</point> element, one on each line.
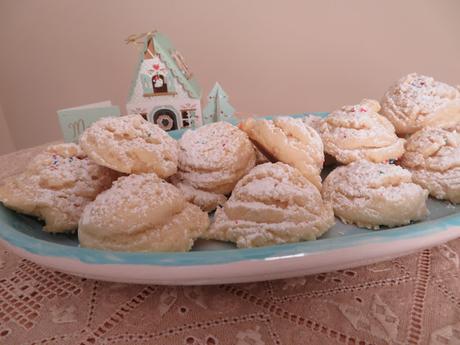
<point>213,147</point>
<point>278,184</point>
<point>414,101</point>
<point>433,156</point>
<point>432,149</point>
<point>132,202</point>
<point>141,212</point>
<point>290,141</point>
<point>359,132</point>
<point>56,186</point>
<point>130,144</point>
<point>374,194</point>
<point>274,203</point>
<point>66,167</point>
<point>214,157</point>
<point>356,179</point>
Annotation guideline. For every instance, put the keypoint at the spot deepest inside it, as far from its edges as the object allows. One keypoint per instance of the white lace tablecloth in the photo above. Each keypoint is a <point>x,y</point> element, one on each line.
<point>410,300</point>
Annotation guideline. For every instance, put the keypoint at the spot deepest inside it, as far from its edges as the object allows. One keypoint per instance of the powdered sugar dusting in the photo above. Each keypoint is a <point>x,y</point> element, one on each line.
<point>432,149</point>
<point>414,99</point>
<point>433,156</point>
<point>141,213</point>
<point>290,141</point>
<point>274,203</point>
<point>374,194</point>
<point>214,157</point>
<point>359,132</point>
<point>130,144</point>
<point>56,186</point>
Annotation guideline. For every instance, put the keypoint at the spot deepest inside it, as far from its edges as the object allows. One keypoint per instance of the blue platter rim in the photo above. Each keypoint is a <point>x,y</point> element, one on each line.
<point>199,258</point>
<point>225,256</point>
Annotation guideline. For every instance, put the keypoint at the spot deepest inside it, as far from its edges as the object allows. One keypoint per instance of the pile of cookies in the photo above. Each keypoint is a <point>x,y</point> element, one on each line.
<point>128,186</point>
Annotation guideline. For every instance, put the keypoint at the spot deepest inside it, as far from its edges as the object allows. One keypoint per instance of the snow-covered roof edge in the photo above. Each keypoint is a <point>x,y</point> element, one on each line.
<point>165,49</point>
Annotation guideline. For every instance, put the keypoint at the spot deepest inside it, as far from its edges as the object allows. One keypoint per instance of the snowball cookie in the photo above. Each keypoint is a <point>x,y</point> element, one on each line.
<point>272,204</point>
<point>433,157</point>
<point>131,145</point>
<point>359,132</point>
<point>56,186</point>
<point>290,141</point>
<point>141,213</point>
<point>314,121</point>
<point>416,101</point>
<point>374,194</point>
<point>207,201</point>
<point>214,157</point>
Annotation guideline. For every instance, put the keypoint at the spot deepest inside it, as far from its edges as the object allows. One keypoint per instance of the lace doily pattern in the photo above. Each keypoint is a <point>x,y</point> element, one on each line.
<point>410,300</point>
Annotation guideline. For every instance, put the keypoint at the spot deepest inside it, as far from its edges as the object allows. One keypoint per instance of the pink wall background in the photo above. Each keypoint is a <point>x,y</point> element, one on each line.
<point>271,57</point>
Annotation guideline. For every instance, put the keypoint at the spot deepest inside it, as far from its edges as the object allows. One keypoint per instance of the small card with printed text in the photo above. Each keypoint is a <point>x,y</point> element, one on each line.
<point>74,121</point>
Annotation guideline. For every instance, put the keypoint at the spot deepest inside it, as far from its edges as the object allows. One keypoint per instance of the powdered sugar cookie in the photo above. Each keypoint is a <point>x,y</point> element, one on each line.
<point>433,157</point>
<point>374,194</point>
<point>214,157</point>
<point>272,204</point>
<point>359,132</point>
<point>141,213</point>
<point>56,186</point>
<point>290,141</point>
<point>207,201</point>
<point>130,144</point>
<point>416,101</point>
<point>313,121</point>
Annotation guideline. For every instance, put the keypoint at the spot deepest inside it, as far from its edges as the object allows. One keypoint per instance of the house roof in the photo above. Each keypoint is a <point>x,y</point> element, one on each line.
<point>169,55</point>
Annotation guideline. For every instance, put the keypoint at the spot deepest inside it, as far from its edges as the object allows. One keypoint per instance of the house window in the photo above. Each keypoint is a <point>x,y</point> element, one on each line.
<point>159,84</point>
<point>166,119</point>
<point>186,118</point>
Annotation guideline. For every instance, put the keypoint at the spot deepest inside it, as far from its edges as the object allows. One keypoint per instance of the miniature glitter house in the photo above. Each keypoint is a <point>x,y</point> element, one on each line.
<point>163,89</point>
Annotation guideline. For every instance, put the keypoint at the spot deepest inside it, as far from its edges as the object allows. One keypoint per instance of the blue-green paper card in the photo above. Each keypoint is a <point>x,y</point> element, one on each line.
<point>74,121</point>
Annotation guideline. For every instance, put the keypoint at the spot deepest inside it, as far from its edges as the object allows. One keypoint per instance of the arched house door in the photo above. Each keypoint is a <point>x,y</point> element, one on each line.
<point>164,116</point>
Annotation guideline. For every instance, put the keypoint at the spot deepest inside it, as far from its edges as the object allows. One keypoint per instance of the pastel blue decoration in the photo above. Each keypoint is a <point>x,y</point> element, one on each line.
<point>74,121</point>
<point>218,107</point>
<point>180,91</point>
<point>170,82</point>
<point>147,85</point>
<point>173,61</point>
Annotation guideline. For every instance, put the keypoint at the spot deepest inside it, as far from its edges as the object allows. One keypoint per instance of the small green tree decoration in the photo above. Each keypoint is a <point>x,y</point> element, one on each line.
<point>218,107</point>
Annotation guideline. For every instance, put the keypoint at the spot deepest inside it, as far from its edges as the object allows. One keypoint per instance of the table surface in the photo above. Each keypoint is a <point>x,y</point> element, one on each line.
<point>411,300</point>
